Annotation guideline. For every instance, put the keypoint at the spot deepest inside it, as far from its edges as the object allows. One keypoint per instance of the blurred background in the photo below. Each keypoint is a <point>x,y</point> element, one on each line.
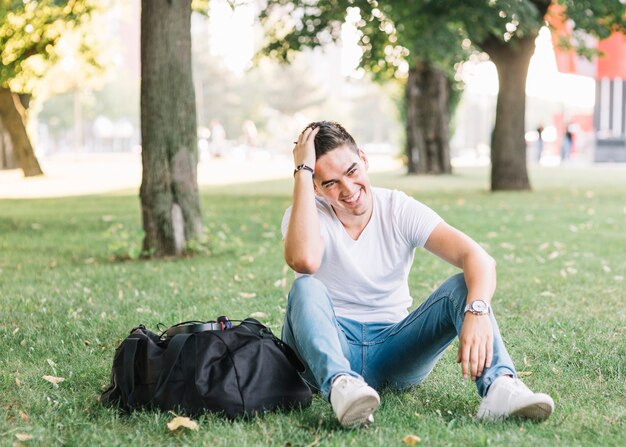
<point>251,109</point>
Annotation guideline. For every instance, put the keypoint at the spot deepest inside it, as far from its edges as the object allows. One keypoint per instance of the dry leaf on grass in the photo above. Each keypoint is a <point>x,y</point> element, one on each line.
<point>411,439</point>
<point>24,416</point>
<point>52,379</point>
<point>180,421</point>
<point>247,294</point>
<point>258,315</point>
<point>23,436</point>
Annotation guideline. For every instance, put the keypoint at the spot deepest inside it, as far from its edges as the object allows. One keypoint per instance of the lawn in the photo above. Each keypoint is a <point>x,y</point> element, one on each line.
<point>68,296</point>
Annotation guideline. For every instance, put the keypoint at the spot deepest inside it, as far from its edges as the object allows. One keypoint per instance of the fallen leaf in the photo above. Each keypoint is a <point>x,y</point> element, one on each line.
<point>52,379</point>
<point>524,373</point>
<point>259,315</point>
<point>180,421</point>
<point>280,282</point>
<point>23,436</point>
<point>18,382</point>
<point>411,439</point>
<point>247,294</point>
<point>24,416</point>
<point>51,363</point>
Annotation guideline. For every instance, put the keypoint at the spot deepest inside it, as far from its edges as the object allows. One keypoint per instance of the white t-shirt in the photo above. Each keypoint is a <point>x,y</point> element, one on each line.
<point>367,278</point>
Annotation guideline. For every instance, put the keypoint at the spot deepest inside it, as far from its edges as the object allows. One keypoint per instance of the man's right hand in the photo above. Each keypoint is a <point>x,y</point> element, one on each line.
<point>304,245</point>
<point>304,152</point>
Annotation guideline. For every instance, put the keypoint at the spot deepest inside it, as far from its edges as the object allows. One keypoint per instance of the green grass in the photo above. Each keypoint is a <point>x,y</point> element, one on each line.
<point>65,304</point>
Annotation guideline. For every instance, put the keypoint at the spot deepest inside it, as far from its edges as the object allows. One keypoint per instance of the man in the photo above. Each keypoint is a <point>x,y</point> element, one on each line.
<point>352,246</point>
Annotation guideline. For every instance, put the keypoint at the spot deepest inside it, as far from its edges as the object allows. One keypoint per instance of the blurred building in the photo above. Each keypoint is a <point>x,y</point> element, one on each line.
<point>608,70</point>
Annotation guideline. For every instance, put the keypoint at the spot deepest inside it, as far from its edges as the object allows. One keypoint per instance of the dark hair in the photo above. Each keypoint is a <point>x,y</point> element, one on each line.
<point>330,136</point>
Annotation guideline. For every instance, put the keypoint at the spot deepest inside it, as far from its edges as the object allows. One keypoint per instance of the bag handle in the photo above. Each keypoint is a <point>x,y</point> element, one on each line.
<point>172,353</point>
<point>127,384</point>
<point>290,354</point>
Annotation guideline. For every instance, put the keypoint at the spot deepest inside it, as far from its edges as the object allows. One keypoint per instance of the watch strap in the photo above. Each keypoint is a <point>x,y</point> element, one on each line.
<point>302,166</point>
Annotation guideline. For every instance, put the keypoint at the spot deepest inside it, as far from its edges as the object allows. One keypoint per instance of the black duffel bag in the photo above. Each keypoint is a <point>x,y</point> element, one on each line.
<point>212,366</point>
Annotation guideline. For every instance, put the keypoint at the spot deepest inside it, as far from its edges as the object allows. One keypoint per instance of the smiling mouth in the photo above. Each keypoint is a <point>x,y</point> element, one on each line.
<point>354,198</point>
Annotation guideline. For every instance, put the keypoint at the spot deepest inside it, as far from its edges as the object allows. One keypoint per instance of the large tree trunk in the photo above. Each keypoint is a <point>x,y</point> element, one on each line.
<point>13,116</point>
<point>7,159</point>
<point>508,144</point>
<point>427,97</point>
<point>169,189</point>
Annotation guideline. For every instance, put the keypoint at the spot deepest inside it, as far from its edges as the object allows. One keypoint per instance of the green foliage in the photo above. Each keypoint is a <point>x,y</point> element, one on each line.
<point>29,33</point>
<point>596,18</point>
<point>124,241</point>
<point>394,34</point>
<point>124,244</point>
<point>65,306</point>
<point>441,32</point>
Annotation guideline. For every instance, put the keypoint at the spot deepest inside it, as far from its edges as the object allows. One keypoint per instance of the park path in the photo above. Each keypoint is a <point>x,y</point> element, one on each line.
<point>82,174</point>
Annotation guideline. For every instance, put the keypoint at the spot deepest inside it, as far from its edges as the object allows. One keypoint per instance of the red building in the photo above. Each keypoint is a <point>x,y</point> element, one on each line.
<point>609,72</point>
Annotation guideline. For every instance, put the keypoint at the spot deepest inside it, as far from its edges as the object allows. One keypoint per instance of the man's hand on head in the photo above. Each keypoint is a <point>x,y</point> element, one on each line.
<point>304,151</point>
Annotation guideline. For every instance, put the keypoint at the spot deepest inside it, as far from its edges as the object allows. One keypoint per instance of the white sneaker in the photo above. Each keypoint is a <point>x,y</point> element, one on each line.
<point>353,401</point>
<point>508,397</point>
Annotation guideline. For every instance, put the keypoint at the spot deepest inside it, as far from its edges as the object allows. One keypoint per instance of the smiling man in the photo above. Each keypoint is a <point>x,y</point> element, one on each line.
<point>352,247</point>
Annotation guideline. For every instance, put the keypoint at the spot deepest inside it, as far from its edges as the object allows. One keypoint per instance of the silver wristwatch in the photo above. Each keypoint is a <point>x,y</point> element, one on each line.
<point>478,307</point>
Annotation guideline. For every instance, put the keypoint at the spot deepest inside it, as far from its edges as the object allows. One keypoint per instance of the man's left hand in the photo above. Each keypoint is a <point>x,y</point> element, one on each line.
<point>476,345</point>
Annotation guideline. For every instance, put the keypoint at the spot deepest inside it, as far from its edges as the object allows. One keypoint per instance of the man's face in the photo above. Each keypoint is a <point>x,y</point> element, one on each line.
<point>341,178</point>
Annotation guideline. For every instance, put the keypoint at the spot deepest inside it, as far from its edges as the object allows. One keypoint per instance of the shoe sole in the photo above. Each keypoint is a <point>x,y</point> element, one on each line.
<point>359,412</point>
<point>537,411</point>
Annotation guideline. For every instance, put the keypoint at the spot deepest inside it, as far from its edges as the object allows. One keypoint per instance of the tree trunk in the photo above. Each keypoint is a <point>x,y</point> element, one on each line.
<point>508,143</point>
<point>169,189</point>
<point>427,97</point>
<point>7,159</point>
<point>13,116</point>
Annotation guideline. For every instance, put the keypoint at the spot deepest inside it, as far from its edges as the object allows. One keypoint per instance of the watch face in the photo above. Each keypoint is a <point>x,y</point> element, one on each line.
<point>479,306</point>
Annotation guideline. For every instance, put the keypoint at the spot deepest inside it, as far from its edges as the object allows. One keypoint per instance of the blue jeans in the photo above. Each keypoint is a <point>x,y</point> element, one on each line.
<point>398,355</point>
